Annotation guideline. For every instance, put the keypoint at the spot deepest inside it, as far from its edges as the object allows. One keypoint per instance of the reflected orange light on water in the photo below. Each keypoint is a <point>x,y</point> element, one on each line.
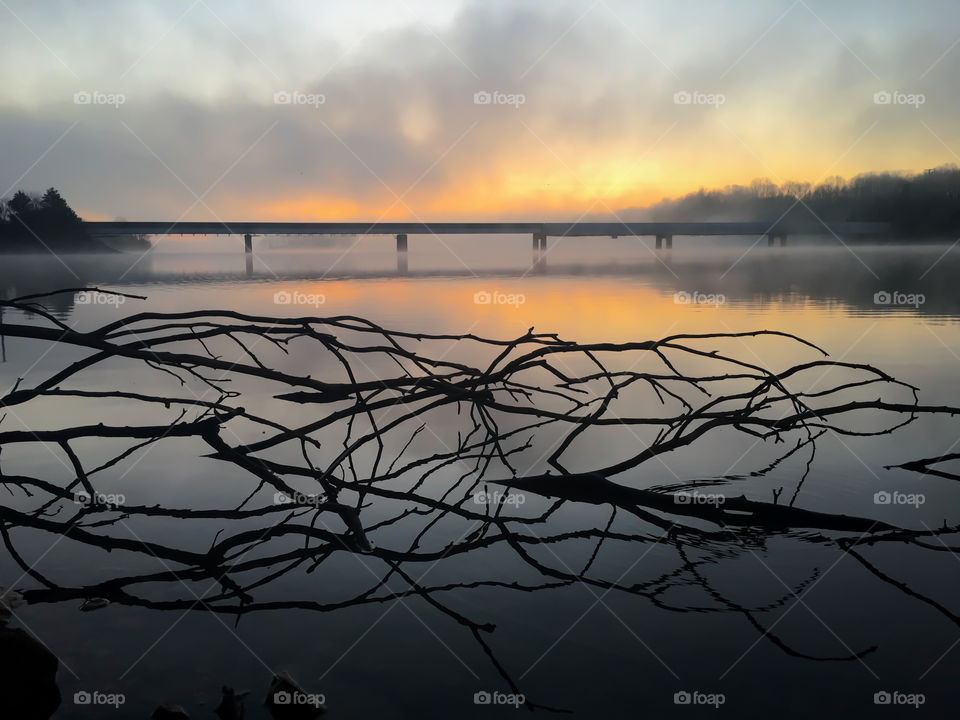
<point>579,310</point>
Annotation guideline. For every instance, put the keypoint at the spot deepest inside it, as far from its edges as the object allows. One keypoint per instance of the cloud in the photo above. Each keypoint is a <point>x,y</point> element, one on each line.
<point>599,127</point>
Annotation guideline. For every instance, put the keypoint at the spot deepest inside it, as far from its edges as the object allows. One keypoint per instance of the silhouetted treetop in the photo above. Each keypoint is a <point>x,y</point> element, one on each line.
<point>42,224</point>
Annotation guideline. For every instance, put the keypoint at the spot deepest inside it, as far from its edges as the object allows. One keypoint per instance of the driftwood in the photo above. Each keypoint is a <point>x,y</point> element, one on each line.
<point>386,395</point>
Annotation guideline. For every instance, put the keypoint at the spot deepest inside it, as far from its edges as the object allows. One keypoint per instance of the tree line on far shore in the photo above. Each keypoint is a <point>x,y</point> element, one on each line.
<point>40,222</point>
<point>925,204</point>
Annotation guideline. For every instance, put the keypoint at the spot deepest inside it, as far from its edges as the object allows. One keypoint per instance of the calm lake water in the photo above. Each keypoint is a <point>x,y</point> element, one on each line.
<point>759,618</point>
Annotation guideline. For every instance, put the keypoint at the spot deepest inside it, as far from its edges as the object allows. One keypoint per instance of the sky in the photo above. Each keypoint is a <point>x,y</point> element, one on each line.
<point>462,109</point>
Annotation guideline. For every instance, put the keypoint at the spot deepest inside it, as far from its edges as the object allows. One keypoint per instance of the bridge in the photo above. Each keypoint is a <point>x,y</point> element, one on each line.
<point>664,232</point>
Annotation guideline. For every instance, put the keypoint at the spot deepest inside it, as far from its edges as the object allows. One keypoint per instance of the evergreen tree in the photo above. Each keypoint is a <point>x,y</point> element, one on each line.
<point>42,223</point>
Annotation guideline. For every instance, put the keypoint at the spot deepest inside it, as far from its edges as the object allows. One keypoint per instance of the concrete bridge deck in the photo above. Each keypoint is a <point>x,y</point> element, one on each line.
<point>662,231</point>
<point>545,229</point>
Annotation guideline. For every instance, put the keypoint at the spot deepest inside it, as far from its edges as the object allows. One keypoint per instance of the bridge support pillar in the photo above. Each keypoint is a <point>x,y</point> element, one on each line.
<point>402,254</point>
<point>539,249</point>
<point>772,238</point>
<point>664,240</point>
<point>248,243</point>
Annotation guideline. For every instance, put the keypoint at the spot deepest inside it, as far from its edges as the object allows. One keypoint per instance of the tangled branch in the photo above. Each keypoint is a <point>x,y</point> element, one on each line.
<point>341,435</point>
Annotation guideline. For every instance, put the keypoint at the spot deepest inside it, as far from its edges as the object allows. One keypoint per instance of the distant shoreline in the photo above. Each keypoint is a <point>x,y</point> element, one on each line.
<point>94,248</point>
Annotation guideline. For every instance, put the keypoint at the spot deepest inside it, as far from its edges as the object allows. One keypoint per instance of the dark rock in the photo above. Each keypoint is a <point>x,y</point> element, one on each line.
<point>231,704</point>
<point>28,683</point>
<point>170,712</point>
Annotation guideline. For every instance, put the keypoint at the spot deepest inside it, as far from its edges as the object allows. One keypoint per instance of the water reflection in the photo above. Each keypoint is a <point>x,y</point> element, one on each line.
<point>872,280</point>
<point>409,450</point>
